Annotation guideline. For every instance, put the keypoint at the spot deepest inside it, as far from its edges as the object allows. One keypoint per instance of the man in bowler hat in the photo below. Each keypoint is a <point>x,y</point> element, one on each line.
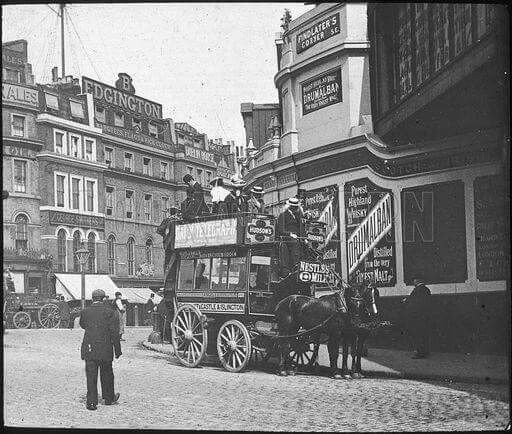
<point>418,316</point>
<point>100,343</point>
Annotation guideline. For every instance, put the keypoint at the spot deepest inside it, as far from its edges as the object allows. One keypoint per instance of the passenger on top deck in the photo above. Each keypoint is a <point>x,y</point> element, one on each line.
<point>255,202</point>
<point>195,205</point>
<point>236,201</point>
<point>219,194</point>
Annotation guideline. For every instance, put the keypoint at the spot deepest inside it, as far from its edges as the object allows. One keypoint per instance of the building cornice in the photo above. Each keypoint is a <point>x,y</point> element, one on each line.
<point>34,144</point>
<point>65,123</point>
<point>71,211</point>
<point>53,156</point>
<point>19,105</point>
<point>343,47</point>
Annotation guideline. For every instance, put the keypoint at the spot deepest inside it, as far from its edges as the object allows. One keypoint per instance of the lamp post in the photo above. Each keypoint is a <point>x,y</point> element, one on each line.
<point>82,255</point>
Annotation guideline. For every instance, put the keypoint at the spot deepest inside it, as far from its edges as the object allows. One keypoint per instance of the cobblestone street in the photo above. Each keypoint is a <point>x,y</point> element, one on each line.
<point>44,385</point>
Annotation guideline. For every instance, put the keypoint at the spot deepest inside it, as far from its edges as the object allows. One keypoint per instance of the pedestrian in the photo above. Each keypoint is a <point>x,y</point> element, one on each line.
<point>65,312</point>
<point>418,315</point>
<point>100,343</point>
<point>150,305</point>
<point>121,313</point>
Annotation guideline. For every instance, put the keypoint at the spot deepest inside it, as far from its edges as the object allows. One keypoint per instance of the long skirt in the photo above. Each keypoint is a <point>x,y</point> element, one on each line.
<point>122,321</point>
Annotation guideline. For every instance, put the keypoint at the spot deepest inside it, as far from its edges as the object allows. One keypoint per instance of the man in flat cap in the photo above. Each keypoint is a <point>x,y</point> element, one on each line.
<point>418,315</point>
<point>255,202</point>
<point>100,343</point>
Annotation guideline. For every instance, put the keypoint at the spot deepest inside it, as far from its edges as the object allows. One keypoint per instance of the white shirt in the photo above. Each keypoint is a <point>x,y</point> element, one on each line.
<point>119,305</point>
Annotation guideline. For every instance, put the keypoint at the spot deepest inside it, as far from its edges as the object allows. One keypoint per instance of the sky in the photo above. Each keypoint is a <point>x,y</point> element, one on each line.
<point>199,60</point>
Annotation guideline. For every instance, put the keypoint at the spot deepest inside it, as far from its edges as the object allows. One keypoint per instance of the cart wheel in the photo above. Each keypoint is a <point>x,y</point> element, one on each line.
<point>189,336</point>
<point>234,346</point>
<point>21,320</point>
<point>49,316</point>
<point>261,348</point>
<point>302,355</point>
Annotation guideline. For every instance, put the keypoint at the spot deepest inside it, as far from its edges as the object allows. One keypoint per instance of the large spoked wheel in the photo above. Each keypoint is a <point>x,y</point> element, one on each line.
<point>21,320</point>
<point>262,348</point>
<point>302,355</point>
<point>189,336</point>
<point>234,346</point>
<point>49,316</point>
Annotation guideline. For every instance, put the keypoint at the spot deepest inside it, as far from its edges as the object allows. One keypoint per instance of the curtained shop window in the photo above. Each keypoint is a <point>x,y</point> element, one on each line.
<point>111,254</point>
<point>61,250</point>
<point>21,232</point>
<point>77,241</point>
<point>91,246</point>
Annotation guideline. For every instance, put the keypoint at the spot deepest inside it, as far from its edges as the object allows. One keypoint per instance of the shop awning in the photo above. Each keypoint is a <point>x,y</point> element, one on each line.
<point>139,295</point>
<point>69,285</point>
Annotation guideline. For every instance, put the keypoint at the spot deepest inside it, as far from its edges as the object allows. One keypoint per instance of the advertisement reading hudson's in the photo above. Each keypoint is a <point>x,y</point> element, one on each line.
<point>370,233</point>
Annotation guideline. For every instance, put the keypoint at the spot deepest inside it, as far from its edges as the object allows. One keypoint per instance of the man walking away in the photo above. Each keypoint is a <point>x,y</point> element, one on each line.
<point>65,313</point>
<point>150,305</point>
<point>121,312</point>
<point>101,341</point>
<point>418,317</point>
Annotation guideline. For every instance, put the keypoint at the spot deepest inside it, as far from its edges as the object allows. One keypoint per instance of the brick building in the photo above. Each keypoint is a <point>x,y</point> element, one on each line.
<point>22,250</point>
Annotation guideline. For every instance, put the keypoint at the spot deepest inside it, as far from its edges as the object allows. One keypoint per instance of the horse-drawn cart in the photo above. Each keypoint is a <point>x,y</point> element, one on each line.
<point>22,311</point>
<point>227,287</point>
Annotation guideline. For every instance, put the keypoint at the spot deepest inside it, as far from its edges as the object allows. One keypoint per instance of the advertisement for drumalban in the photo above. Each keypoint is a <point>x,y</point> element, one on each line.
<point>370,233</point>
<point>322,204</point>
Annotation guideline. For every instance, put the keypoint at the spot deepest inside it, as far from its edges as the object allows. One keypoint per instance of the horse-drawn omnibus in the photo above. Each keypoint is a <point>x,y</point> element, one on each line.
<point>227,286</point>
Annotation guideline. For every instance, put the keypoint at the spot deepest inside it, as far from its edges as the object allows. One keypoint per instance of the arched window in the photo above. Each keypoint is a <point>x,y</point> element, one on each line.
<point>21,232</point>
<point>149,251</point>
<point>130,253</point>
<point>61,250</point>
<point>111,254</point>
<point>77,241</point>
<point>91,246</point>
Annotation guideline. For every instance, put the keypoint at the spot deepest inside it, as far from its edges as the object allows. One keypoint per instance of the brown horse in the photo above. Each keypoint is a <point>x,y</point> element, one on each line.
<point>342,316</point>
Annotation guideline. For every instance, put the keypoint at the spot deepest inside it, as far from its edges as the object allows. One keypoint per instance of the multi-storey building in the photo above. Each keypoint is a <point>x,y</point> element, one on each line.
<point>139,183</point>
<point>22,252</point>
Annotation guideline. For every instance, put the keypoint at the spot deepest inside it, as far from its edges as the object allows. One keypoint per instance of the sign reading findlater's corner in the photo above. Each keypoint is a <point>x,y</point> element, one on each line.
<point>318,32</point>
<point>321,91</point>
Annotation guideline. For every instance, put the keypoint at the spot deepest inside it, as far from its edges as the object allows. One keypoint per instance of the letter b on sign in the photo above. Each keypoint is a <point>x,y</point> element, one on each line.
<point>125,83</point>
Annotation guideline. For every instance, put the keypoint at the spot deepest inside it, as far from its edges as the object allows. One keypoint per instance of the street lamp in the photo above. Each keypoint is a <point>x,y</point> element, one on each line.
<point>82,255</point>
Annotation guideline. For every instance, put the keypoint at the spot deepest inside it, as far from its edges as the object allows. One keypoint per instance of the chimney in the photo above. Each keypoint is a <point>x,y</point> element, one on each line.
<point>55,74</point>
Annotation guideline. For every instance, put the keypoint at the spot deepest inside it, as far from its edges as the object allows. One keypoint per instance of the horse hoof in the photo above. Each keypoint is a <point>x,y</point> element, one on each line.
<point>337,376</point>
<point>347,377</point>
<point>356,375</point>
<point>283,373</point>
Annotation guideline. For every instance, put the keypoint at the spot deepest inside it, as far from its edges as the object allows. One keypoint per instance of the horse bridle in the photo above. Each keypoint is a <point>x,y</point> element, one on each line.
<point>358,299</point>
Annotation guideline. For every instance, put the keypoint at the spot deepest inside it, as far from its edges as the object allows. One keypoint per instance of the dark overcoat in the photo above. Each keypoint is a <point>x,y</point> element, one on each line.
<point>101,337</point>
<point>288,222</point>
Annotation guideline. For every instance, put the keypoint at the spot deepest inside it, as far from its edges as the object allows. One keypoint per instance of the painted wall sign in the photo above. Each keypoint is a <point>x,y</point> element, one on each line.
<point>321,91</point>
<point>318,32</point>
<point>323,205</point>
<point>370,235</point>
<point>65,218</point>
<point>17,151</point>
<point>209,253</point>
<point>13,60</point>
<point>20,94</point>
<point>121,99</point>
<point>492,254</point>
<point>311,272</point>
<point>134,137</point>
<point>260,229</point>
<point>208,233</point>
<point>233,308</point>
<point>199,154</point>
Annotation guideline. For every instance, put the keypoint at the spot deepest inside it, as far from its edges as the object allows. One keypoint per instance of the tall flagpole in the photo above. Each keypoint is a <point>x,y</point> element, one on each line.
<point>62,6</point>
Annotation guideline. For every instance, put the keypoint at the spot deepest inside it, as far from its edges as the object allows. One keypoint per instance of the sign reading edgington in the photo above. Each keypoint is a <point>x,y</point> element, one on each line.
<point>321,91</point>
<point>208,233</point>
<point>126,101</point>
<point>318,32</point>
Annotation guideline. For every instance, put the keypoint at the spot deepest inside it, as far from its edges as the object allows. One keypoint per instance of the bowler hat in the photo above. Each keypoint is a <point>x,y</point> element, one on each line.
<point>98,293</point>
<point>293,202</point>
<point>187,178</point>
<point>257,190</point>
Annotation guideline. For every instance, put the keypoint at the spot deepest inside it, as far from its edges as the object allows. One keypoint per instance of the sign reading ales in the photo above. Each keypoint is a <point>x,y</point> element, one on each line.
<point>318,32</point>
<point>321,91</point>
<point>322,204</point>
<point>369,233</point>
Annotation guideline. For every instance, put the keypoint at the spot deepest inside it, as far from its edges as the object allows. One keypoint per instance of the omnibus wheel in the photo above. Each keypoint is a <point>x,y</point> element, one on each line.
<point>189,335</point>
<point>234,346</point>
